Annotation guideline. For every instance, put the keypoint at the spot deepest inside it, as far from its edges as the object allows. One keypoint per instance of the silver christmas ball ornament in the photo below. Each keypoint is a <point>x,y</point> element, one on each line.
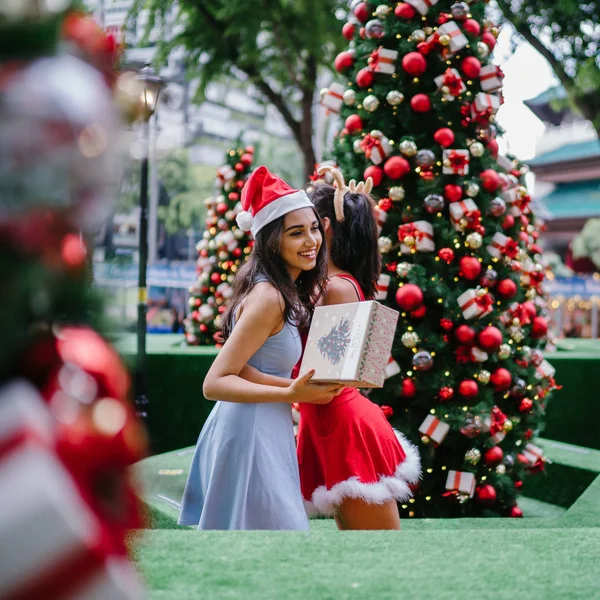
<point>434,203</point>
<point>474,240</point>
<point>394,98</point>
<point>382,11</point>
<point>497,207</point>
<point>418,35</point>
<point>477,149</point>
<point>410,339</point>
<point>403,269</point>
<point>371,103</point>
<point>483,50</point>
<point>374,29</point>
<point>385,244</point>
<point>349,97</point>
<point>408,147</point>
<point>396,193</point>
<point>472,189</point>
<point>425,158</point>
<point>504,351</point>
<point>356,146</point>
<point>459,10</point>
<point>422,361</point>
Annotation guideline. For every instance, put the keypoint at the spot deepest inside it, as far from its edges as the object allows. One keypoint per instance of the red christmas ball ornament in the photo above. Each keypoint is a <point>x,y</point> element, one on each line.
<point>222,208</point>
<point>539,327</point>
<point>362,33</point>
<point>409,297</point>
<point>446,393</point>
<point>490,180</point>
<point>409,389</point>
<point>501,379</point>
<point>414,64</point>
<point>237,252</point>
<point>348,31</point>
<point>420,103</point>
<point>465,335</point>
<point>453,192</point>
<point>364,78</point>
<point>239,184</point>
<point>529,307</point>
<point>468,388</point>
<point>215,278</point>
<point>518,484</point>
<point>485,494</point>
<point>362,12</point>
<point>388,411</point>
<point>506,288</point>
<point>470,66</point>
<point>471,26</point>
<point>246,159</point>
<point>404,11</point>
<point>233,196</point>
<point>396,167</point>
<point>239,167</point>
<point>493,456</point>
<point>250,149</point>
<point>375,173</point>
<point>446,324</point>
<point>525,405</point>
<point>446,254</point>
<point>492,146</point>
<point>508,222</point>
<point>516,512</point>
<point>419,313</point>
<point>444,137</point>
<point>353,124</point>
<point>489,39</point>
<point>73,251</point>
<point>490,339</point>
<point>470,267</point>
<point>343,61</point>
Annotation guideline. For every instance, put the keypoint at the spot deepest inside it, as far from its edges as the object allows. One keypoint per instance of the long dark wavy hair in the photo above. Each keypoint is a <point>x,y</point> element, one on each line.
<point>354,246</point>
<point>299,296</point>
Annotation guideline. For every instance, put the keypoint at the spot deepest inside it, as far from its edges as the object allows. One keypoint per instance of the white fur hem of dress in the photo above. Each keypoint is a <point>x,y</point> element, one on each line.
<point>388,488</point>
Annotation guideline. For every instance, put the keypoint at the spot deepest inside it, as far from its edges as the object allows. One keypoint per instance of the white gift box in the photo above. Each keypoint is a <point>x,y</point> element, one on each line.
<point>393,368</point>
<point>532,454</point>
<point>422,231</point>
<point>512,198</point>
<point>334,97</point>
<point>452,166</point>
<point>478,354</point>
<point>496,248</point>
<point>440,81</point>
<point>225,174</point>
<point>422,6</point>
<point>380,217</point>
<point>383,284</point>
<point>203,264</point>
<point>383,60</point>
<point>461,209</point>
<point>504,163</point>
<point>434,429</point>
<point>471,307</point>
<point>458,40</point>
<point>350,343</point>
<point>461,482</point>
<point>545,370</point>
<point>377,149</point>
<point>484,102</point>
<point>490,78</point>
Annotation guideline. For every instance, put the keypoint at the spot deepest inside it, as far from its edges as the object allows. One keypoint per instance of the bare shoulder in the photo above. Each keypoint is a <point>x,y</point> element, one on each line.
<point>264,296</point>
<point>340,291</point>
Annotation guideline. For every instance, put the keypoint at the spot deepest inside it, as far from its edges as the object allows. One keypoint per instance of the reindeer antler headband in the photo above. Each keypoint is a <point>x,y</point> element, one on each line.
<point>362,187</point>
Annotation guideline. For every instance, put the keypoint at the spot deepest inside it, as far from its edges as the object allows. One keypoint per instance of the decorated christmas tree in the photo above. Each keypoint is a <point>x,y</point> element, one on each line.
<point>459,247</point>
<point>333,345</point>
<point>221,251</point>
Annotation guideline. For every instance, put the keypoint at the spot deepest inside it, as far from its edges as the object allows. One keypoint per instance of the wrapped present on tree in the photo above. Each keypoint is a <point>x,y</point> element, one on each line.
<point>490,78</point>
<point>204,263</point>
<point>484,103</point>
<point>450,83</point>
<point>455,162</point>
<point>224,175</point>
<point>383,60</point>
<point>383,285</point>
<point>422,6</point>
<point>433,429</point>
<point>350,343</point>
<point>532,456</point>
<point>393,368</point>
<point>504,163</point>
<point>461,483</point>
<point>464,214</point>
<point>376,147</point>
<point>458,40</point>
<point>416,237</point>
<point>333,98</point>
<point>516,199</point>
<point>503,245</point>
<point>545,370</point>
<point>494,424</point>
<point>380,217</point>
<point>478,355</point>
<point>475,303</point>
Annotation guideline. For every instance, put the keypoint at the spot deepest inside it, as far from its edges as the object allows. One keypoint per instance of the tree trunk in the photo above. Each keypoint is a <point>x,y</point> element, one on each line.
<point>306,140</point>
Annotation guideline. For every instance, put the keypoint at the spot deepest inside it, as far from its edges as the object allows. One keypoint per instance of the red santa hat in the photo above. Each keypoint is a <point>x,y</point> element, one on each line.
<point>265,198</point>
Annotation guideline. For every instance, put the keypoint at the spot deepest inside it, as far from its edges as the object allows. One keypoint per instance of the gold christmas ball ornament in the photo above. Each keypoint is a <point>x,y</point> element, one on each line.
<point>409,241</point>
<point>396,193</point>
<point>472,189</point>
<point>484,377</point>
<point>531,293</point>
<point>504,352</point>
<point>444,39</point>
<point>507,425</point>
<point>501,469</point>
<point>357,147</point>
<point>428,30</point>
<point>382,11</point>
<point>403,269</point>
<point>473,456</point>
<point>394,98</point>
<point>481,292</point>
<point>371,103</point>
<point>349,97</point>
<point>474,240</point>
<point>516,333</point>
<point>477,149</point>
<point>483,50</point>
<point>408,147</point>
<point>410,339</point>
<point>445,90</point>
<point>495,31</point>
<point>385,244</point>
<point>425,439</point>
<point>522,191</point>
<point>418,35</point>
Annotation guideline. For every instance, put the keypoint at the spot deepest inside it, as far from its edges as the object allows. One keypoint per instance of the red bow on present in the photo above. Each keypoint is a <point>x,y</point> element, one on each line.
<point>458,161</point>
<point>484,302</point>
<point>429,45</point>
<point>498,420</point>
<point>376,58</point>
<point>453,82</point>
<point>511,248</point>
<point>473,218</point>
<point>409,230</point>
<point>369,143</point>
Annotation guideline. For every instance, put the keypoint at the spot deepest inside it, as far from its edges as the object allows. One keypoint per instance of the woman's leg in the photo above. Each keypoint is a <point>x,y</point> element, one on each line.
<point>357,514</point>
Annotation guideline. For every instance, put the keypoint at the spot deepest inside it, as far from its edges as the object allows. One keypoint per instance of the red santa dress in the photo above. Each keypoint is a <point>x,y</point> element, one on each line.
<point>348,449</point>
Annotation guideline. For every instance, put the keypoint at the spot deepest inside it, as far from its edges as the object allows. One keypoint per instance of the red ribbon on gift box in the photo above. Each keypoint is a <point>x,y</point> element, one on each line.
<point>484,302</point>
<point>410,229</point>
<point>377,58</point>
<point>458,160</point>
<point>370,143</point>
<point>453,82</point>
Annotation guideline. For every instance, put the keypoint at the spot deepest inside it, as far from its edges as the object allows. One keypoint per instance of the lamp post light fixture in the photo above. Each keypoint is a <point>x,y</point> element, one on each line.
<point>151,87</point>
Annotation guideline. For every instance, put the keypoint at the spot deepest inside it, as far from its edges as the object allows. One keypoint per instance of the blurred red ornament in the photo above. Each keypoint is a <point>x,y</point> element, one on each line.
<point>470,267</point>
<point>388,411</point>
<point>453,192</point>
<point>197,302</point>
<point>444,137</point>
<point>470,66</point>
<point>361,33</point>
<point>446,254</point>
<point>471,26</point>
<point>348,30</point>
<point>396,167</point>
<point>490,339</point>
<point>233,196</point>
<point>239,184</point>
<point>468,388</point>
<point>493,456</point>
<point>414,63</point>
<point>493,147</point>
<point>419,313</point>
<point>404,11</point>
<point>239,167</point>
<point>465,335</point>
<point>385,204</point>
<point>506,288</point>
<point>215,278</point>
<point>362,12</point>
<point>508,222</point>
<point>501,379</point>
<point>353,124</point>
<point>525,405</point>
<point>446,393</point>
<point>518,484</point>
<point>420,103</point>
<point>539,327</point>
<point>516,512</point>
<point>246,159</point>
<point>375,173</point>
<point>222,208</point>
<point>409,297</point>
<point>250,149</point>
<point>364,78</point>
<point>528,434</point>
<point>343,61</point>
<point>409,389</point>
<point>203,328</point>
<point>443,18</point>
<point>489,180</point>
<point>529,307</point>
<point>73,251</point>
<point>489,39</point>
<point>485,494</point>
<point>237,252</point>
<point>446,324</point>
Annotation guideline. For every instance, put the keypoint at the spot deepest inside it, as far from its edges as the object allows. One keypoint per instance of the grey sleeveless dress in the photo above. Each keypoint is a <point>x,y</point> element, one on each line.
<point>244,473</point>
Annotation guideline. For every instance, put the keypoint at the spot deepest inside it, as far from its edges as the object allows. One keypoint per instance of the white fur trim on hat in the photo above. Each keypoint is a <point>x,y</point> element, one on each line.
<point>282,206</point>
<point>244,220</point>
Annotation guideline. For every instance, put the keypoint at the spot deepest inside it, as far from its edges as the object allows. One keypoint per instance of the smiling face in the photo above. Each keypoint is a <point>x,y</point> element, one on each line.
<point>300,241</point>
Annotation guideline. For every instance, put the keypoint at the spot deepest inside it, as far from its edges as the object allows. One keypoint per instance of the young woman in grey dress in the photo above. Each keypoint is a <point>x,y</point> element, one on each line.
<point>244,473</point>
